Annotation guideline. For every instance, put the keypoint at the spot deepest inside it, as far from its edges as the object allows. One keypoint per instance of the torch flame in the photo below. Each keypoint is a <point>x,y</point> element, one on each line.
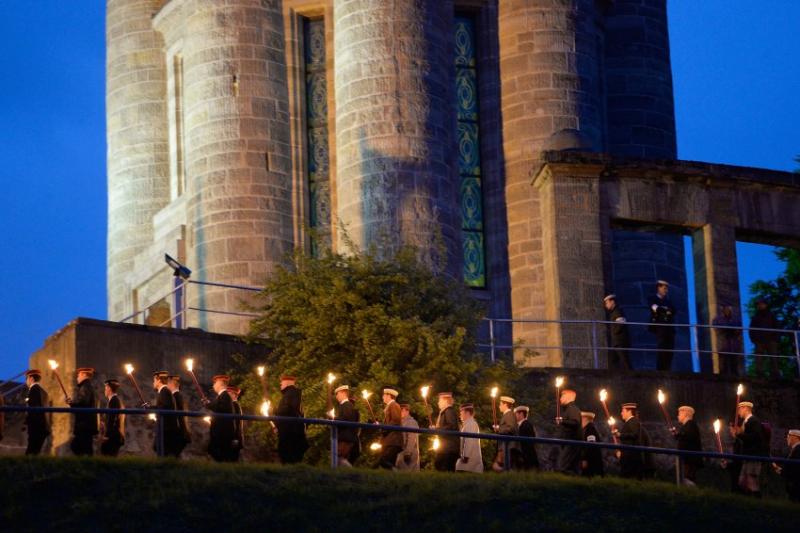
<point>366,394</point>
<point>332,413</point>
<point>661,397</point>
<point>611,421</point>
<point>375,446</point>
<point>740,390</point>
<point>260,371</point>
<point>559,381</point>
<point>331,378</point>
<point>189,364</point>
<point>424,391</point>
<point>207,420</point>
<point>129,368</point>
<point>603,395</point>
<point>494,392</point>
<point>265,408</point>
<point>151,416</point>
<point>436,443</point>
<point>717,425</point>
<point>52,364</point>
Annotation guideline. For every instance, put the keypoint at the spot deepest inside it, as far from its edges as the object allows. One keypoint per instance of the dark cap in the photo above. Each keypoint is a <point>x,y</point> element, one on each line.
<point>33,372</point>
<point>630,405</point>
<point>223,377</point>
<point>85,370</point>
<point>160,374</point>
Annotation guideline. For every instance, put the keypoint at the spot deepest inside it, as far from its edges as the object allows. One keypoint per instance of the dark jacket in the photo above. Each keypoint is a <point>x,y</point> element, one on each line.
<point>664,313</point>
<point>238,426</point>
<point>112,422</point>
<point>183,425</point>
<point>38,423</point>
<point>593,456</point>
<point>508,426</point>
<point>292,442</point>
<point>752,439</point>
<point>347,411</point>
<point>618,331</point>
<point>688,437</point>
<point>529,456</point>
<point>222,431</point>
<point>85,423</point>
<point>631,463</point>
<point>448,420</point>
<point>166,401</point>
<point>791,475</point>
<point>764,319</point>
<point>570,428</point>
<point>392,416</point>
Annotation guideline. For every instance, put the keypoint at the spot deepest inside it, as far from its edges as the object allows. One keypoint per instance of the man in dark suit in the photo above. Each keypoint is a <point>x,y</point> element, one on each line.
<point>292,443</point>
<point>448,452</point>
<point>791,473</point>
<point>184,435</point>
<point>165,402</point>
<point>38,423</point>
<point>530,460</point>
<point>631,463</point>
<point>662,316</point>
<point>687,433</point>
<point>238,424</point>
<point>85,427</point>
<point>569,428</point>
<point>592,458</point>
<point>222,433</point>
<point>507,426</point>
<point>113,427</point>
<point>749,440</point>
<point>618,338</point>
<point>391,441</point>
<point>347,436</point>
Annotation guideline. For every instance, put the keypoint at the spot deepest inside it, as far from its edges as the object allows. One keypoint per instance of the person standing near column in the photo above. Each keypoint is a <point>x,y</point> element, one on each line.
<point>619,341</point>
<point>662,316</point>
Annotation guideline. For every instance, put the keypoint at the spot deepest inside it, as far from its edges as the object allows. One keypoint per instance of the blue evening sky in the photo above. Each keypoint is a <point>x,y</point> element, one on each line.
<point>735,65</point>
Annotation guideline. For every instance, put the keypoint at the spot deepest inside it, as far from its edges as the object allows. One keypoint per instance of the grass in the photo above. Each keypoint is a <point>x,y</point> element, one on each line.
<point>69,494</point>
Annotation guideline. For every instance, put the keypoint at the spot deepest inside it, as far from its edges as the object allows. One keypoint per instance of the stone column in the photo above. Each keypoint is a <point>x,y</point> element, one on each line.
<point>573,266</point>
<point>138,152</point>
<point>551,99</point>
<point>395,124</point>
<point>237,126</point>
<point>716,283</point>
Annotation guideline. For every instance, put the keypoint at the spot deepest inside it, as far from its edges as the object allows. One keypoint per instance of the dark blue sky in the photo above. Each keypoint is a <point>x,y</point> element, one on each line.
<point>735,66</point>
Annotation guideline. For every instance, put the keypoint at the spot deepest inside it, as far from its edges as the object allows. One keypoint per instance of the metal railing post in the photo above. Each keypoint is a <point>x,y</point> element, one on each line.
<point>506,456</point>
<point>185,307</point>
<point>160,449</point>
<point>797,349</point>
<point>334,446</point>
<point>594,345</point>
<point>678,473</point>
<point>491,338</point>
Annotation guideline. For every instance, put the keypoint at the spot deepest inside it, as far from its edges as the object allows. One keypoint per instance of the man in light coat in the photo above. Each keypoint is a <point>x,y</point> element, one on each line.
<point>408,459</point>
<point>470,458</point>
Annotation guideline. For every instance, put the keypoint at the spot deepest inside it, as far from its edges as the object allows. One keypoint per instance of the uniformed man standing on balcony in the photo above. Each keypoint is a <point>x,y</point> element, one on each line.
<point>662,316</point>
<point>619,341</point>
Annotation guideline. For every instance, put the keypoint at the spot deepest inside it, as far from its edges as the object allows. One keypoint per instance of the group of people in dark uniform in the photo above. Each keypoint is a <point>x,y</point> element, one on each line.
<point>400,450</point>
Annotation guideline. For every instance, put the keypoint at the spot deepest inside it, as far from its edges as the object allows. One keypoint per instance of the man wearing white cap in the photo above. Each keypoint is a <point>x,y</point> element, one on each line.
<point>791,473</point>
<point>687,433</point>
<point>470,458</point>
<point>749,440</point>
<point>391,441</point>
<point>507,426</point>
<point>662,316</point>
<point>348,436</point>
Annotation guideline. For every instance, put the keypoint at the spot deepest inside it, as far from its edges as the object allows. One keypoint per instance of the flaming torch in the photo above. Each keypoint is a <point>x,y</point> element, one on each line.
<point>436,444</point>
<point>265,408</point>
<point>366,394</point>
<point>375,446</point>
<point>424,392</point>
<point>611,423</point>
<point>331,378</point>
<point>332,414</point>
<point>661,399</point>
<point>559,383</point>
<point>53,366</point>
<point>603,398</point>
<point>261,370</point>
<point>129,371</point>
<point>717,425</point>
<point>190,368</point>
<point>739,392</point>
<point>493,394</point>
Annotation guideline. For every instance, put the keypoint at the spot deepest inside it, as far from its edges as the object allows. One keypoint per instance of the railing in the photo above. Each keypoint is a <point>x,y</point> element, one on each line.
<point>334,425</point>
<point>594,345</point>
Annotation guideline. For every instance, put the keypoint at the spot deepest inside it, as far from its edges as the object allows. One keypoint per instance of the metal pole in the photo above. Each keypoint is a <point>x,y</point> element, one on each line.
<point>185,307</point>
<point>334,446</point>
<point>797,349</point>
<point>594,345</point>
<point>506,456</point>
<point>160,436</point>
<point>678,473</point>
<point>491,338</point>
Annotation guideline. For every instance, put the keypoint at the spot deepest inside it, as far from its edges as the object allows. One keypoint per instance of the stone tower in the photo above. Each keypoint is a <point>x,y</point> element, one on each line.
<point>243,129</point>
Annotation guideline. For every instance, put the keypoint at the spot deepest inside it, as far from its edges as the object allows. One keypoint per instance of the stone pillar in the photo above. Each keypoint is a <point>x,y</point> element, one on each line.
<point>551,99</point>
<point>138,152</point>
<point>573,266</point>
<point>641,111</point>
<point>395,125</point>
<point>238,167</point>
<point>716,283</point>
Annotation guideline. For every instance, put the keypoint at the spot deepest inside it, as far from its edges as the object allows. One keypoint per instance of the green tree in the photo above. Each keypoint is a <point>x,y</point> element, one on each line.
<point>373,321</point>
<point>783,299</point>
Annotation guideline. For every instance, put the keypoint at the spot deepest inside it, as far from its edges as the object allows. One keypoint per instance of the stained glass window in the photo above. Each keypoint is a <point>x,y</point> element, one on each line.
<point>316,89</point>
<point>469,153</point>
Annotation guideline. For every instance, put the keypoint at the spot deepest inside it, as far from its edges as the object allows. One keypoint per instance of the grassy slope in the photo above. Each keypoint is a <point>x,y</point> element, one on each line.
<point>134,494</point>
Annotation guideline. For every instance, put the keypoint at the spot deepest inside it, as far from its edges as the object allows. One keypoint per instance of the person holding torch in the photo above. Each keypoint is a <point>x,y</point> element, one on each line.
<point>85,427</point>
<point>391,441</point>
<point>292,443</point>
<point>569,428</point>
<point>223,432</point>
<point>687,433</point>
<point>348,436</point>
<point>507,426</point>
<point>165,401</point>
<point>447,454</point>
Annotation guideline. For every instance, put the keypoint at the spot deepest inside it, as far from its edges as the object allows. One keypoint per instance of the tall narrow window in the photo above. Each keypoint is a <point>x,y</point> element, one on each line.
<point>175,114</point>
<point>316,88</point>
<point>469,160</point>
